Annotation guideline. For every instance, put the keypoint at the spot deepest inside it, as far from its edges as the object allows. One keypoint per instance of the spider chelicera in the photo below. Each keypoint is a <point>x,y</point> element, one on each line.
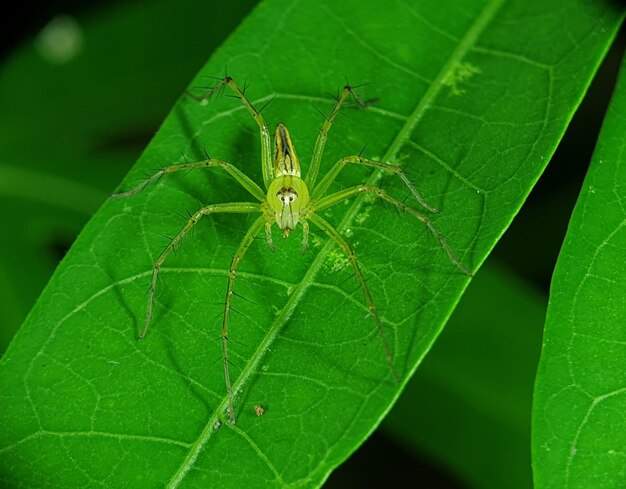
<point>288,200</point>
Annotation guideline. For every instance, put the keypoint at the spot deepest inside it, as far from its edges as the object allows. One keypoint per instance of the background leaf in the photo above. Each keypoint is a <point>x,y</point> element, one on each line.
<point>578,431</point>
<point>71,130</point>
<point>475,387</point>
<point>474,158</point>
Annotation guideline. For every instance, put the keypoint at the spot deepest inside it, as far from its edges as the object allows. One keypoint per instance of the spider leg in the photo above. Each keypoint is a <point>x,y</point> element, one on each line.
<point>305,236</point>
<point>318,151</point>
<point>233,171</point>
<point>332,199</point>
<point>321,188</point>
<point>247,240</point>
<point>266,147</point>
<point>343,244</point>
<point>268,235</point>
<point>233,207</point>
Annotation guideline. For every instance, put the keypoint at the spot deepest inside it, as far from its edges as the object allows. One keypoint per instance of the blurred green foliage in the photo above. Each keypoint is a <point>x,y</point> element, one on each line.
<point>72,129</point>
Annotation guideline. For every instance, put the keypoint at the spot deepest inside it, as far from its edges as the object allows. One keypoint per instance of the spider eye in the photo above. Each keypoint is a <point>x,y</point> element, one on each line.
<point>286,195</point>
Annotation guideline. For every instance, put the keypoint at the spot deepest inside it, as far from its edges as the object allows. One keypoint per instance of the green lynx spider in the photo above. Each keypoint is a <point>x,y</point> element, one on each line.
<point>287,203</point>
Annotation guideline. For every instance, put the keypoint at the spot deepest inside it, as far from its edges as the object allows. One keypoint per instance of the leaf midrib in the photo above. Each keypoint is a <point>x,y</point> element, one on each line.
<point>403,135</point>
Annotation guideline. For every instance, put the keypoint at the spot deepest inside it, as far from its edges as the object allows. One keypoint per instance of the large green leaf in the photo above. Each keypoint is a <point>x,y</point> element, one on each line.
<point>472,100</point>
<point>579,428</point>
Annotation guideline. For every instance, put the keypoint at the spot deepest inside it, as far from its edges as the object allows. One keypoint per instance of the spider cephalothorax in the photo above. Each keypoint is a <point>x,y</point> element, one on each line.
<point>286,202</point>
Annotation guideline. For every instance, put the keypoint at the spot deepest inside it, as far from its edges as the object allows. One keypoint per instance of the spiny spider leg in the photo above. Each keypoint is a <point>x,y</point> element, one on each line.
<point>343,244</point>
<point>247,240</point>
<point>318,151</point>
<point>237,174</point>
<point>359,189</point>
<point>329,178</point>
<point>305,236</point>
<point>266,147</point>
<point>232,207</point>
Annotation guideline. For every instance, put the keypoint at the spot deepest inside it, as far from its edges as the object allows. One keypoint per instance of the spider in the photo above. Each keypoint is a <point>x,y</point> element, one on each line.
<point>288,200</point>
